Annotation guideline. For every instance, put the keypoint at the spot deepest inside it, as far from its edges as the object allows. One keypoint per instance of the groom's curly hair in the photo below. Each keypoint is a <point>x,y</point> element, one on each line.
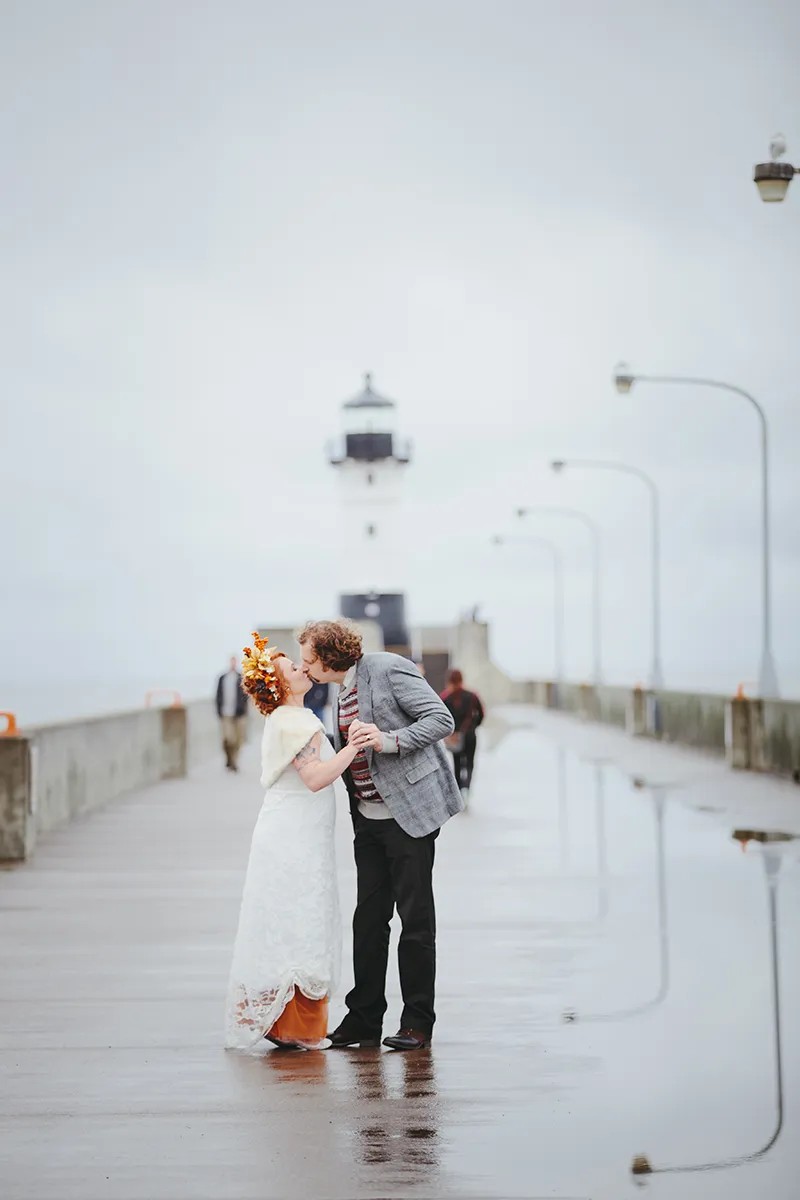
<point>337,644</point>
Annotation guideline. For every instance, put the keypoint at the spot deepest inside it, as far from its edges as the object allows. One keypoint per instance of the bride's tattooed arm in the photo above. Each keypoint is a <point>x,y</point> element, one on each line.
<point>308,754</point>
<point>317,774</point>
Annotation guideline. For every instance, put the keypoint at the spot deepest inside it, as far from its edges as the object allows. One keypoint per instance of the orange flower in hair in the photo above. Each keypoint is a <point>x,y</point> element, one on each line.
<point>258,661</point>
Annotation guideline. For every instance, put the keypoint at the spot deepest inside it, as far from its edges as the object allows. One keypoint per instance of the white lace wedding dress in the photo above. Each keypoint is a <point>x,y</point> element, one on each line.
<point>289,933</point>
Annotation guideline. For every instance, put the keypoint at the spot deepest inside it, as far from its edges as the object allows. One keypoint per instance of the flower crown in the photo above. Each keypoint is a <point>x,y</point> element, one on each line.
<point>258,661</point>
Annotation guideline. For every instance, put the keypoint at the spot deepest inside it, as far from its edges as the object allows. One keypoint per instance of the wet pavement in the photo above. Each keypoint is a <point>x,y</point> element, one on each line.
<point>607,962</point>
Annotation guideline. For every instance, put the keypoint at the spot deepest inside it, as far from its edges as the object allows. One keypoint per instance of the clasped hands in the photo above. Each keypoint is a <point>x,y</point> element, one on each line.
<point>363,735</point>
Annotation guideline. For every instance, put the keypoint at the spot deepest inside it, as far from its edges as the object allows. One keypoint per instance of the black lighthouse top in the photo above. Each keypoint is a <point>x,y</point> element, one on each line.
<point>369,433</point>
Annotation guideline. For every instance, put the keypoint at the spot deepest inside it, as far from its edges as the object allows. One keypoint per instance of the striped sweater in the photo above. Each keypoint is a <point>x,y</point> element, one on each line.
<point>367,795</point>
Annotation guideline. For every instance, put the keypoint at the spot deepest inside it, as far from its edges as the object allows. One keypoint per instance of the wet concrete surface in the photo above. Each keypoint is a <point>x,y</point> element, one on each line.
<point>565,889</point>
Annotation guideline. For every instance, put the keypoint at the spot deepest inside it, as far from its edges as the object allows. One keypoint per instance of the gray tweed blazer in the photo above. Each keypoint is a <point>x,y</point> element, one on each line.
<point>418,785</point>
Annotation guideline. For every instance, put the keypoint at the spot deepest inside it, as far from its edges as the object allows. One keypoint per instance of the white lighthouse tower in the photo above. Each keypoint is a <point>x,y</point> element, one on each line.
<point>370,459</point>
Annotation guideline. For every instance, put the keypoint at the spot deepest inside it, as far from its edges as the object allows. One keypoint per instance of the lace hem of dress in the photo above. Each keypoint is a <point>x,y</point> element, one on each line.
<point>251,1015</point>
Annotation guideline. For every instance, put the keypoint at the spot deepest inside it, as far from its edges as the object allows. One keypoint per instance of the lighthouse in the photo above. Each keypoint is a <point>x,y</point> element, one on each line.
<point>369,456</point>
<point>370,459</point>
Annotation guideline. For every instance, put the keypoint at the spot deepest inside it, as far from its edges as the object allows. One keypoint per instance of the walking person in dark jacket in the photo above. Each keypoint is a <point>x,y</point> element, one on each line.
<point>467,711</point>
<point>232,713</point>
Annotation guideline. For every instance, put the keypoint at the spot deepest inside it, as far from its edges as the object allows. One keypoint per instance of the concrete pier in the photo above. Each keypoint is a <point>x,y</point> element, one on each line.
<point>592,875</point>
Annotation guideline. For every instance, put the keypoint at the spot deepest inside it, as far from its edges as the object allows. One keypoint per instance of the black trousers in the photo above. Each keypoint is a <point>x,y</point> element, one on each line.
<point>393,868</point>
<point>464,762</point>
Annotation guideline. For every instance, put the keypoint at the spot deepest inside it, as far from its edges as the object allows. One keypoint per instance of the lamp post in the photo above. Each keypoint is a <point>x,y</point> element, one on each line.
<point>624,379</point>
<point>558,594</point>
<point>773,178</point>
<point>771,858</point>
<point>560,464</point>
<point>594,532</point>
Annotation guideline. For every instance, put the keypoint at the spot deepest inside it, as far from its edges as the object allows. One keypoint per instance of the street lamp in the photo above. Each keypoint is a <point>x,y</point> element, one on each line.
<point>624,379</point>
<point>773,178</point>
<point>771,858</point>
<point>560,464</point>
<point>594,532</point>
<point>558,593</point>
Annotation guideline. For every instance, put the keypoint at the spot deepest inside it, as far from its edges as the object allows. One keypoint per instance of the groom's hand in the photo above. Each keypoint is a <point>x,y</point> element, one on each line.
<point>368,735</point>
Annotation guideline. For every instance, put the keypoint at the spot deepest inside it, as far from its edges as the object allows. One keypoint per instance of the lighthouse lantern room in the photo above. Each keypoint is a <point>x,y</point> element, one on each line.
<point>369,455</point>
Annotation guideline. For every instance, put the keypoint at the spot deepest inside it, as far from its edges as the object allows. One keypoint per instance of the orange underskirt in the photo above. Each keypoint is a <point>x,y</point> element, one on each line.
<point>302,1020</point>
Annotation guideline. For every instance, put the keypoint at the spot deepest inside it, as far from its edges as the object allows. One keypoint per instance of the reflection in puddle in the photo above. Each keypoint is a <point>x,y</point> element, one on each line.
<point>770,844</point>
<point>307,1068</point>
<point>744,836</point>
<point>570,1016</point>
<point>402,1125</point>
<point>563,808</point>
<point>600,832</point>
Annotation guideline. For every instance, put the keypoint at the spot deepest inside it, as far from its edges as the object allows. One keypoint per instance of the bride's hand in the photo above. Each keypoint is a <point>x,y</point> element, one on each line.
<point>369,735</point>
<point>359,729</point>
<point>358,738</point>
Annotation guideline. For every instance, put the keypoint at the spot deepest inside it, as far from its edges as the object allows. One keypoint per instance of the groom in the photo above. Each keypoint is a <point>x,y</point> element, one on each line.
<point>402,791</point>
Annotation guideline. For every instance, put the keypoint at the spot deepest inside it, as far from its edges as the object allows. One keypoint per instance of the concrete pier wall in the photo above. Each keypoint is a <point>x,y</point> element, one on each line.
<point>203,738</point>
<point>780,736</point>
<point>693,719</point>
<point>51,774</point>
<point>753,734</point>
<point>612,705</point>
<point>82,764</point>
<point>471,655</point>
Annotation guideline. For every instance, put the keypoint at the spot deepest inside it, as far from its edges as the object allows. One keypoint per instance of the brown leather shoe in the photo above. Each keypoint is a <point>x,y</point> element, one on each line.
<point>344,1039</point>
<point>408,1039</point>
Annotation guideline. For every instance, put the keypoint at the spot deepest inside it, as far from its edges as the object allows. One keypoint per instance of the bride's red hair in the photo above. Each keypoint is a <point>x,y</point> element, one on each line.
<point>264,684</point>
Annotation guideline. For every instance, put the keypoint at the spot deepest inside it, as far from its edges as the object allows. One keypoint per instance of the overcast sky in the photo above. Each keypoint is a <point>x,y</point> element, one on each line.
<point>216,216</point>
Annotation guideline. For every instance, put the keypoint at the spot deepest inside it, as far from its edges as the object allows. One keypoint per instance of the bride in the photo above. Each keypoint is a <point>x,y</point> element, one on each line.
<point>286,955</point>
